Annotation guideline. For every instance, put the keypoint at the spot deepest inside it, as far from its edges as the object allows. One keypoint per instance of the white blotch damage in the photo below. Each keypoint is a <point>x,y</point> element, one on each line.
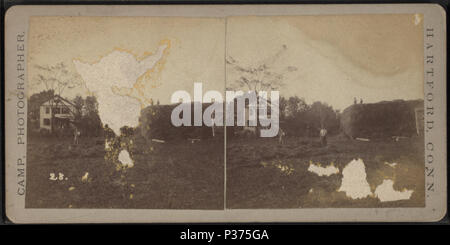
<point>386,193</point>
<point>417,19</point>
<point>85,177</point>
<point>116,70</point>
<point>323,171</point>
<point>392,165</point>
<point>354,182</point>
<point>125,159</point>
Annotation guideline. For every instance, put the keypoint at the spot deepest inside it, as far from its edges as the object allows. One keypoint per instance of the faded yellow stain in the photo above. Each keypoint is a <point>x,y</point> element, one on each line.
<point>135,55</point>
<point>145,82</point>
<point>285,168</point>
<point>151,76</point>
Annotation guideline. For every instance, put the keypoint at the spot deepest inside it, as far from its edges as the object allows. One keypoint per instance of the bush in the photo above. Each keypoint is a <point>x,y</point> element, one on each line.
<point>44,132</point>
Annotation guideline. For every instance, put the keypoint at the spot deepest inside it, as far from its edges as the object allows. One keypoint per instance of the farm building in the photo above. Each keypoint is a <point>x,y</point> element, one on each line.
<point>61,110</point>
<point>383,119</point>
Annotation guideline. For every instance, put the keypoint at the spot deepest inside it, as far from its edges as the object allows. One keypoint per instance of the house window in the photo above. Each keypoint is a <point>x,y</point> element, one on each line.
<point>47,110</point>
<point>46,122</point>
<point>55,110</point>
<point>65,110</point>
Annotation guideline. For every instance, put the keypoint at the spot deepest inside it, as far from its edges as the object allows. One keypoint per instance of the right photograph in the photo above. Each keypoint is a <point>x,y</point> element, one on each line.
<point>344,97</point>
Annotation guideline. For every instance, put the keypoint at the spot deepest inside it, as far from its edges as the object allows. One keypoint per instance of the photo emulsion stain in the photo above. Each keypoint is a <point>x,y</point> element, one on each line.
<point>243,112</point>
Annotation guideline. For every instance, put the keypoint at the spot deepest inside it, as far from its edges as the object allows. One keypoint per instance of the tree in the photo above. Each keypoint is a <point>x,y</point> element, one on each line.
<point>282,107</point>
<point>263,76</point>
<point>322,115</point>
<point>57,78</point>
<point>91,105</point>
<point>35,101</point>
<point>90,120</point>
<point>78,104</point>
<point>260,77</point>
<point>295,106</point>
<point>296,121</point>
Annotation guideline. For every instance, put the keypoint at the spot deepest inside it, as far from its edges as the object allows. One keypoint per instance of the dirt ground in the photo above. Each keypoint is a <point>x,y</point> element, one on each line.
<point>180,175</point>
<point>264,174</point>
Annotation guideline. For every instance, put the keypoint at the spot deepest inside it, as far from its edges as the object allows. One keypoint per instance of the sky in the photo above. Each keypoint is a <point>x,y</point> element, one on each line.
<point>336,58</point>
<point>195,54</point>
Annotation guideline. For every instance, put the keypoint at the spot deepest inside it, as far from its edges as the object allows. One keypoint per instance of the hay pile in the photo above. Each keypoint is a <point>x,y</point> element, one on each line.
<point>379,120</point>
<point>155,123</point>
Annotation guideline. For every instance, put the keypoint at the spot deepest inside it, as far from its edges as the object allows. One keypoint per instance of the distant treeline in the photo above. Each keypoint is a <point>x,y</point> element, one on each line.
<point>297,118</point>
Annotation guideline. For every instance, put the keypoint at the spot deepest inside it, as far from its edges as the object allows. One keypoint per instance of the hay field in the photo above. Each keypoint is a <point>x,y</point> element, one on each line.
<point>176,176</point>
<point>261,173</point>
<point>264,174</point>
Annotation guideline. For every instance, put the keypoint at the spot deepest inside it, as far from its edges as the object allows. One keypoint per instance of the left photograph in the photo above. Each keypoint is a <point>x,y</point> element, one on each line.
<point>100,102</point>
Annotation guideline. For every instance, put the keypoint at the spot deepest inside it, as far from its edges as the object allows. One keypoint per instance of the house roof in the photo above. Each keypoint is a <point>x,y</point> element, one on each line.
<point>65,103</point>
<point>60,98</point>
<point>65,100</point>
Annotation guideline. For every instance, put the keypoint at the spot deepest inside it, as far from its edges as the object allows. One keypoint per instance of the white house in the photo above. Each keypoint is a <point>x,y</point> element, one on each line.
<point>62,111</point>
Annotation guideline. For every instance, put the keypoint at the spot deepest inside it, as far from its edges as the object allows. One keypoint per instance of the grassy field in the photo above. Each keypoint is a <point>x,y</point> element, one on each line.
<point>179,175</point>
<point>264,174</point>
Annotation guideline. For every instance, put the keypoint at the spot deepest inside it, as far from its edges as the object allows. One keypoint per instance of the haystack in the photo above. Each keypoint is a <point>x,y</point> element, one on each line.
<point>383,119</point>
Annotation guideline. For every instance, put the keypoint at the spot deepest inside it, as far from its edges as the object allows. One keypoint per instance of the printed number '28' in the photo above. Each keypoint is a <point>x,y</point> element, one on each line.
<point>54,177</point>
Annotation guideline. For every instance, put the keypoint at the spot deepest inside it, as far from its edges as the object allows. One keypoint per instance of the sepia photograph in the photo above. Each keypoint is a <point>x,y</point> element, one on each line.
<point>350,111</point>
<point>225,113</point>
<point>99,128</point>
<point>350,123</point>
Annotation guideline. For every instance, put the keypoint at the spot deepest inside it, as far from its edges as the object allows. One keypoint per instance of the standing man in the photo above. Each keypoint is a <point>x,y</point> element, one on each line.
<point>76,135</point>
<point>281,135</point>
<point>323,136</point>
